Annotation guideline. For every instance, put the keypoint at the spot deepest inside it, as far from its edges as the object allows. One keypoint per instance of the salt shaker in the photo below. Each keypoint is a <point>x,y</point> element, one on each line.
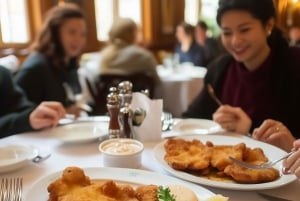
<point>113,107</point>
<point>125,92</point>
<point>125,114</point>
<point>125,119</point>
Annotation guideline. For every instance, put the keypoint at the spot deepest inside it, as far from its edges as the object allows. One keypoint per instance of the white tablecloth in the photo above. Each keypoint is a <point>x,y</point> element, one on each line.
<point>87,155</point>
<point>179,87</point>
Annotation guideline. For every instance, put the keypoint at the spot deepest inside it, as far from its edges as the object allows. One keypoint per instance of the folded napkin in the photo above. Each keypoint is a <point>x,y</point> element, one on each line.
<point>150,128</point>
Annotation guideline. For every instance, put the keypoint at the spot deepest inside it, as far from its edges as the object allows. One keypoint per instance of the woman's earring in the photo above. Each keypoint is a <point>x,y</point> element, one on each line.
<point>269,32</point>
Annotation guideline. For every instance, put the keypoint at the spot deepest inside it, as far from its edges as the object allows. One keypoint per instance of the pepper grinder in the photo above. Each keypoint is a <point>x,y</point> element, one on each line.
<point>113,107</point>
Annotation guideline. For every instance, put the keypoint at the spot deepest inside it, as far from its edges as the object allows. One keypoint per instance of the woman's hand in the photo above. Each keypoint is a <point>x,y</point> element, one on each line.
<point>275,133</point>
<point>292,163</point>
<point>46,114</point>
<point>74,109</point>
<point>232,119</point>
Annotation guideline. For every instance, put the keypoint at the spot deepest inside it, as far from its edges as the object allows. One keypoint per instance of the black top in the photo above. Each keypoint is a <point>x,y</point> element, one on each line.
<point>42,82</point>
<point>284,82</point>
<point>15,108</point>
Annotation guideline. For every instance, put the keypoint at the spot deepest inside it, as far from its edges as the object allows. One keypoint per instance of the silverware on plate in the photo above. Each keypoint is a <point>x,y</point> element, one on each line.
<point>261,166</point>
<point>39,159</point>
<point>272,198</point>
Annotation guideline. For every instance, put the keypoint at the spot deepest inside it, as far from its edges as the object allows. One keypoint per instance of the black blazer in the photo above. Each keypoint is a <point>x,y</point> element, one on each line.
<point>15,108</point>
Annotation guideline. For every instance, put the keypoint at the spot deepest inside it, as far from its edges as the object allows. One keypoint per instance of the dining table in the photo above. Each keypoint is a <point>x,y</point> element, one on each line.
<point>179,86</point>
<point>86,154</point>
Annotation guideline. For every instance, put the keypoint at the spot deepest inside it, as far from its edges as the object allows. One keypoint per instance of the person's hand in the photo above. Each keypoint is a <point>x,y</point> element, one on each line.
<point>46,115</point>
<point>74,109</point>
<point>292,163</point>
<point>275,133</point>
<point>232,119</point>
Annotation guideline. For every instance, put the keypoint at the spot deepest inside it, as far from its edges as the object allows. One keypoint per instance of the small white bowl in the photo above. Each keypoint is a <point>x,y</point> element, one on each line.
<point>122,152</point>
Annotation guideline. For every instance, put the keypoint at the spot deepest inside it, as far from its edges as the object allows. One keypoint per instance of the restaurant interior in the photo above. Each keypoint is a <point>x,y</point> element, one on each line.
<point>130,140</point>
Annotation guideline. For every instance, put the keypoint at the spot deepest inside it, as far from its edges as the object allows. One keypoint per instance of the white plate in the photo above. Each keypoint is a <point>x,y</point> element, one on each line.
<point>13,157</point>
<point>196,126</point>
<point>79,132</point>
<point>271,152</point>
<point>38,191</point>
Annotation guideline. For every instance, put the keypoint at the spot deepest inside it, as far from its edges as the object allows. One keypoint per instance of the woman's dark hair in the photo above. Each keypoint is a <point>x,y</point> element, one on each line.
<point>48,41</point>
<point>262,10</point>
<point>188,28</point>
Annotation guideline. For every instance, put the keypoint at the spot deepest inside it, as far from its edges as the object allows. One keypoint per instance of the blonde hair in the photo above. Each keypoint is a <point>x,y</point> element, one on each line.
<point>122,33</point>
<point>123,29</point>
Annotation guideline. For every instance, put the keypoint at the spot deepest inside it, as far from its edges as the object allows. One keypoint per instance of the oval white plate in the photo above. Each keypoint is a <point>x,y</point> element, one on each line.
<point>13,157</point>
<point>79,132</point>
<point>196,126</point>
<point>271,152</point>
<point>38,191</point>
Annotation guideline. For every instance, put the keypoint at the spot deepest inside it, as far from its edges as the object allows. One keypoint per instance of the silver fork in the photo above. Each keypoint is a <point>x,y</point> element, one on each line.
<point>11,189</point>
<point>261,166</point>
<point>167,121</point>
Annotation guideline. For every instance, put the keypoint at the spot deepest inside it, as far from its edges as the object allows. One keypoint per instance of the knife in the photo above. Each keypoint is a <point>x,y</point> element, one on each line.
<point>272,198</point>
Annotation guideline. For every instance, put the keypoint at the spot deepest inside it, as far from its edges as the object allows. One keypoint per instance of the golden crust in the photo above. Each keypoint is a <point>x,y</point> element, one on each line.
<point>187,155</point>
<point>199,159</point>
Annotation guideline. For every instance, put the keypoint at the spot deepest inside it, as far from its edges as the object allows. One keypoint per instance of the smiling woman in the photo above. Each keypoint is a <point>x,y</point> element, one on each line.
<point>257,80</point>
<point>54,59</point>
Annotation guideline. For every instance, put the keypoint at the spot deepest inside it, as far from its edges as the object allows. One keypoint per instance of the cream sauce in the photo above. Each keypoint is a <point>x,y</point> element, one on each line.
<point>121,148</point>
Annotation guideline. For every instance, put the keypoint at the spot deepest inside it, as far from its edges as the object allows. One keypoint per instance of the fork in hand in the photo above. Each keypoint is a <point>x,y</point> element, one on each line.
<point>261,166</point>
<point>211,92</point>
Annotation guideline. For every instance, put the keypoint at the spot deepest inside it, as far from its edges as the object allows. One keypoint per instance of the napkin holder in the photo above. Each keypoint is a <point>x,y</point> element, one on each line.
<point>150,128</point>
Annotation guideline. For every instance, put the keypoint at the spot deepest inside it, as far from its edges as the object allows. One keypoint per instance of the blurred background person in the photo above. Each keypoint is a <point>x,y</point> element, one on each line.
<point>259,78</point>
<point>49,73</point>
<point>212,47</point>
<point>294,35</point>
<point>186,48</point>
<point>122,56</point>
<point>19,115</point>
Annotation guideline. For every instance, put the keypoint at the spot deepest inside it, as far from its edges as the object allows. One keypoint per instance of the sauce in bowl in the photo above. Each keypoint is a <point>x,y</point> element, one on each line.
<point>121,147</point>
<point>121,152</point>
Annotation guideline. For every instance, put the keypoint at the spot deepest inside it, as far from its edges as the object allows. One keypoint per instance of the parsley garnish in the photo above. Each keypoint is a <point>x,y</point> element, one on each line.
<point>164,194</point>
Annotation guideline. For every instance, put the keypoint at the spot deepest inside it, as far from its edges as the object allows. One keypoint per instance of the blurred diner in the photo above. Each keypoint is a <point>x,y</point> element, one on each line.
<point>49,73</point>
<point>257,80</point>
<point>212,47</point>
<point>186,47</point>
<point>294,35</point>
<point>122,56</point>
<point>18,114</point>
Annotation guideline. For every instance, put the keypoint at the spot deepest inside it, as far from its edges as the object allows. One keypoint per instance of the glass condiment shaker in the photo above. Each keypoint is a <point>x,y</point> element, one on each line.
<point>125,119</point>
<point>113,107</point>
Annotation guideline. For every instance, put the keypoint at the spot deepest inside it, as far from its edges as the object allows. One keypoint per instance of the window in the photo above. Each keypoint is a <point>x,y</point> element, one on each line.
<point>208,14</point>
<point>191,11</point>
<point>13,21</point>
<point>108,10</point>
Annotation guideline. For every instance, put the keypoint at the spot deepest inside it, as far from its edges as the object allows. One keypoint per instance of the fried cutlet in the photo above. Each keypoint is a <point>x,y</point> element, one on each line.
<point>187,155</point>
<point>221,153</point>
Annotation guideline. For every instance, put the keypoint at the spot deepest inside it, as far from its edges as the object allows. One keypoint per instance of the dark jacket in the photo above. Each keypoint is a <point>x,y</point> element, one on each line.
<point>195,54</point>
<point>285,90</point>
<point>15,108</point>
<point>41,82</point>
